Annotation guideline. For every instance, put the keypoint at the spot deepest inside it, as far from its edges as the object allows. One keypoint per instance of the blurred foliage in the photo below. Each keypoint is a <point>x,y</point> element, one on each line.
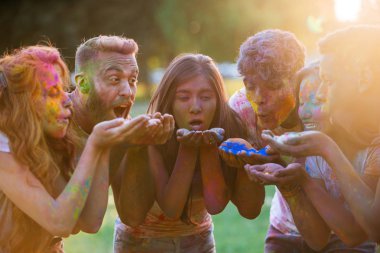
<point>165,28</point>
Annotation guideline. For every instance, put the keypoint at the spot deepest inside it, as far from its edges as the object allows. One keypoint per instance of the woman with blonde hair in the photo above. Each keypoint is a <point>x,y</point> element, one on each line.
<point>42,196</point>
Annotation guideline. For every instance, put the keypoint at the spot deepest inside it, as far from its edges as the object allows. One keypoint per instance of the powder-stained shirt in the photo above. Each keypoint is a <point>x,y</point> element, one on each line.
<point>280,215</point>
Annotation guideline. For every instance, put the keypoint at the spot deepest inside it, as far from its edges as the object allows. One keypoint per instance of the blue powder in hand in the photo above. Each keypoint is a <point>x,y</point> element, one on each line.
<point>235,148</point>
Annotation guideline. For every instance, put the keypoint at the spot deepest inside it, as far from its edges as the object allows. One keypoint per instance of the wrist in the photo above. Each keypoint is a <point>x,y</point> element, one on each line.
<point>290,191</point>
<point>330,150</point>
<point>93,143</point>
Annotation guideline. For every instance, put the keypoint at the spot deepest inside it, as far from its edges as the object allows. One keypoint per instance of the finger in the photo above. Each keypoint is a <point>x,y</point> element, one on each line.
<point>137,120</point>
<point>280,147</point>
<point>266,177</point>
<point>157,115</point>
<point>154,130</point>
<point>218,134</point>
<point>270,151</point>
<point>289,171</point>
<point>182,132</point>
<point>185,137</point>
<point>269,133</point>
<point>105,125</point>
<point>129,128</point>
<point>260,167</point>
<point>172,122</point>
<point>164,134</point>
<point>251,176</point>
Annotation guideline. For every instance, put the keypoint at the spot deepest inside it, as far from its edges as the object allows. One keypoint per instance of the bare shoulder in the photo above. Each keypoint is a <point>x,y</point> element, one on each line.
<point>12,172</point>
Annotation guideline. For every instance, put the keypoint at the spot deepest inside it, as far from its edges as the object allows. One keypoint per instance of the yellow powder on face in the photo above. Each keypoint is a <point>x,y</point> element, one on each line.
<point>250,99</point>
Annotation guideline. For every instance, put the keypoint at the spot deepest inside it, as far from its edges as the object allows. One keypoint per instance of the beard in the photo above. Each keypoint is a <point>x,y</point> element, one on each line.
<point>96,107</point>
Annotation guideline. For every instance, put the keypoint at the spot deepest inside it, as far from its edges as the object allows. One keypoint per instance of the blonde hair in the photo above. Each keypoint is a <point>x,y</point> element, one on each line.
<point>88,50</point>
<point>21,120</point>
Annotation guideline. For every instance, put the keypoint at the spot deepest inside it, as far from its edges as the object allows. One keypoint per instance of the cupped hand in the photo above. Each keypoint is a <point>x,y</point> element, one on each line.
<point>230,149</point>
<point>213,136</point>
<point>275,174</point>
<point>298,144</point>
<point>108,133</point>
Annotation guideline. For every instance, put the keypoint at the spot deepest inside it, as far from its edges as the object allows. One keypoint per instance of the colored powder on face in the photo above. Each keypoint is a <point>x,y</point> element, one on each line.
<point>52,111</point>
<point>48,75</point>
<point>250,99</point>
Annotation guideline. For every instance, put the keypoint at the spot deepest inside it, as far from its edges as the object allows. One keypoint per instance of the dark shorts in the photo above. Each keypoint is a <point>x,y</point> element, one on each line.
<point>197,243</point>
<point>277,242</point>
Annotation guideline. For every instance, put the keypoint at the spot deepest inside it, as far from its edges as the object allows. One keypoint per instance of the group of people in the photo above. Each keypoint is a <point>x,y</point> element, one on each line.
<point>173,167</point>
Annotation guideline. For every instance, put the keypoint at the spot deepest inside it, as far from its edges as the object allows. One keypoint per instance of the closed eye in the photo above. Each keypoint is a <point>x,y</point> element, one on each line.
<point>54,91</point>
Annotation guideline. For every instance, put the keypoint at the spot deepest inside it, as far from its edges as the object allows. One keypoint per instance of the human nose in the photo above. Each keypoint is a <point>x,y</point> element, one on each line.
<point>66,100</point>
<point>125,90</point>
<point>321,95</point>
<point>195,106</point>
<point>304,112</point>
<point>259,96</point>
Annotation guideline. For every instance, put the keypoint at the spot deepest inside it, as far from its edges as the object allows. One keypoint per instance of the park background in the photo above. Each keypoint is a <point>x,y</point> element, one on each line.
<point>163,29</point>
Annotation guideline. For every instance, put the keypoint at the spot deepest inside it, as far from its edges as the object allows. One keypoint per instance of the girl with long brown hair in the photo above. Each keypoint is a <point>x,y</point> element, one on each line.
<point>191,181</point>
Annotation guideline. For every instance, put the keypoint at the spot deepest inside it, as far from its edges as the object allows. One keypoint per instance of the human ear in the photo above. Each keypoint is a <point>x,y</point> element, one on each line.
<point>82,83</point>
<point>366,79</point>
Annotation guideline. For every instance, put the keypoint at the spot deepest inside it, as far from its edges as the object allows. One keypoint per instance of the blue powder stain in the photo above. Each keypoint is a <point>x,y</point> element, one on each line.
<point>235,148</point>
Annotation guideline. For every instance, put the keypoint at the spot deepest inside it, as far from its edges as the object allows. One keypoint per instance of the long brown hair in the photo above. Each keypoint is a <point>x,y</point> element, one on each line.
<point>183,68</point>
<point>20,120</point>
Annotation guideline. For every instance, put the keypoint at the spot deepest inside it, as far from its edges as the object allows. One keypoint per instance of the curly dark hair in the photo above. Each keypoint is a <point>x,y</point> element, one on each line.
<point>272,54</point>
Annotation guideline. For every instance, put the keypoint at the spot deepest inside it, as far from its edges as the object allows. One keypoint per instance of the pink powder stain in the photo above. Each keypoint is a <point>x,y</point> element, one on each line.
<point>47,74</point>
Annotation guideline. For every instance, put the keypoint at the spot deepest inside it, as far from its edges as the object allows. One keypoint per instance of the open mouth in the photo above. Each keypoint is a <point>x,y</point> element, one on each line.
<point>196,124</point>
<point>122,110</point>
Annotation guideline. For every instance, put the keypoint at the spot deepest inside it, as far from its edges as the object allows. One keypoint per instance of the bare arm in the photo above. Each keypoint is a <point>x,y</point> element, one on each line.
<point>57,216</point>
<point>248,196</point>
<point>93,212</point>
<point>133,187</point>
<point>172,190</point>
<point>337,217</point>
<point>364,204</point>
<point>215,190</point>
<point>60,215</point>
<point>307,219</point>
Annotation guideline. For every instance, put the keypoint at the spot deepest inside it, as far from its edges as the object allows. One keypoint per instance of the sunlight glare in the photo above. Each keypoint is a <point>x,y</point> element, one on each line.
<point>347,10</point>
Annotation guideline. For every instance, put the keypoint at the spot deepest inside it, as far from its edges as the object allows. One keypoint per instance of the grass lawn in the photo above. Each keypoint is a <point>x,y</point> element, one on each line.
<point>232,232</point>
